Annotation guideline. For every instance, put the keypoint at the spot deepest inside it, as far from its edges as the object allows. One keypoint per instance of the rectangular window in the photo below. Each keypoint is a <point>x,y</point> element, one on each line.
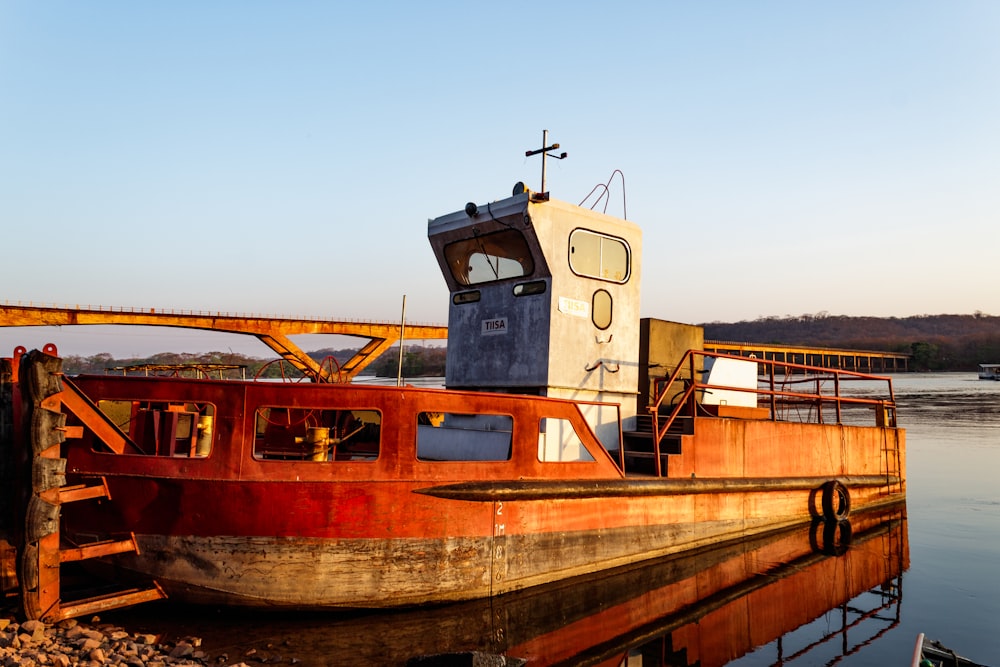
<point>599,256</point>
<point>445,436</point>
<point>317,434</point>
<point>489,258</point>
<point>527,289</point>
<point>164,428</point>
<point>558,441</point>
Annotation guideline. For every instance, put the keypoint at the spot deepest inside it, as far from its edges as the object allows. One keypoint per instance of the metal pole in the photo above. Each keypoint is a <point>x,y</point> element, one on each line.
<point>402,324</point>
<point>545,143</point>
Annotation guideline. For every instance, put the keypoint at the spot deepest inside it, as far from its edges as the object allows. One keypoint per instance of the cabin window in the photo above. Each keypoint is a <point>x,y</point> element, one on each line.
<point>527,289</point>
<point>559,441</point>
<point>448,436</point>
<point>600,312</point>
<point>315,434</point>
<point>490,257</point>
<point>164,428</point>
<point>598,256</point>
<point>465,297</point>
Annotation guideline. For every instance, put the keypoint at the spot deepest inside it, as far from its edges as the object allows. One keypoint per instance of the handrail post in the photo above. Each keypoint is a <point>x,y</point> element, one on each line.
<point>695,381</point>
<point>659,433</point>
<point>836,393</point>
<point>819,398</point>
<point>774,399</point>
<point>656,431</point>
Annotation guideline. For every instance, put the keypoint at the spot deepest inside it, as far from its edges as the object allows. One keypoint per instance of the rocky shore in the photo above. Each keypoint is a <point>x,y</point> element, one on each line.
<point>71,643</point>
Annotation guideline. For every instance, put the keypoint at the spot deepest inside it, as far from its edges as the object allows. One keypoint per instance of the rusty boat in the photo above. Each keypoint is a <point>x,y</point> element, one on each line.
<point>572,437</point>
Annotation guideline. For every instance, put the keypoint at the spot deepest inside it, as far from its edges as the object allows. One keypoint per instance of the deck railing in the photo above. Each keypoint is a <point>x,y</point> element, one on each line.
<point>784,389</point>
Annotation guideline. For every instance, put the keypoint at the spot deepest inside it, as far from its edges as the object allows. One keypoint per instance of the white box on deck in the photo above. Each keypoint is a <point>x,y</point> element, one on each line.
<point>730,373</point>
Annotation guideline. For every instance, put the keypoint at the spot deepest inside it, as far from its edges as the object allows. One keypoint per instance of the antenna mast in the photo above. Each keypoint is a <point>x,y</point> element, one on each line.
<point>544,150</point>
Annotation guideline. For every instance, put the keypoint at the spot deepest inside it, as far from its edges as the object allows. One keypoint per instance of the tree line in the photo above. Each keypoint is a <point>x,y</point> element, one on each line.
<point>418,361</point>
<point>936,343</point>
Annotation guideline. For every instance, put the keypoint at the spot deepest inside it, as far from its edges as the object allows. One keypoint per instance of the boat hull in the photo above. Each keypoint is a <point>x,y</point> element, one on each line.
<point>429,546</point>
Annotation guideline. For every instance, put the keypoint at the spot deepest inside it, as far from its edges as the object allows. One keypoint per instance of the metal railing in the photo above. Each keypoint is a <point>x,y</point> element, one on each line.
<point>784,394</point>
<point>139,310</point>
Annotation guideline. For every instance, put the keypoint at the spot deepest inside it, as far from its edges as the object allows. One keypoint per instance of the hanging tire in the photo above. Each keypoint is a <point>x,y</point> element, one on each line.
<point>836,501</point>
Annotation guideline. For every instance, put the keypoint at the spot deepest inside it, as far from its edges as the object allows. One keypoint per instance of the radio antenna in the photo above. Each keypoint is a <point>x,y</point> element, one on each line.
<point>544,150</point>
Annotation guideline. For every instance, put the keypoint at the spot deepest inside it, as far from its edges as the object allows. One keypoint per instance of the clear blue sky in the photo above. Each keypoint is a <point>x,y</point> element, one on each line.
<point>283,157</point>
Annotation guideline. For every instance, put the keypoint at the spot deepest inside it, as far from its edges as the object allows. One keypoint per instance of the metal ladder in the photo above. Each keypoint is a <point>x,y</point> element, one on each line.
<point>890,447</point>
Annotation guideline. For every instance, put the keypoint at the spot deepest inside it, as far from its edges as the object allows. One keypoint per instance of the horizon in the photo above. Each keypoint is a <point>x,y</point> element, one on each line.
<point>88,340</point>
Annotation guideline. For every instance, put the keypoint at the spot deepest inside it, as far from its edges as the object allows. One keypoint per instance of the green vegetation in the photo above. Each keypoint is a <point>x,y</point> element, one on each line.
<point>418,361</point>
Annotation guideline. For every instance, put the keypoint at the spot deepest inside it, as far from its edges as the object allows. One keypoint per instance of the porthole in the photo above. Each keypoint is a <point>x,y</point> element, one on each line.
<point>600,311</point>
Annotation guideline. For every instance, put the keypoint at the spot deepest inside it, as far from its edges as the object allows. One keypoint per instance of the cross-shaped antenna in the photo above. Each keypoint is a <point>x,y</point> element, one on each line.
<point>544,150</point>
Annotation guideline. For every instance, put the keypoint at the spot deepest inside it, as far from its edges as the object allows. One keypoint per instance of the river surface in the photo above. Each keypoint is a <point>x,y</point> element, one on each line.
<point>805,597</point>
<point>951,590</point>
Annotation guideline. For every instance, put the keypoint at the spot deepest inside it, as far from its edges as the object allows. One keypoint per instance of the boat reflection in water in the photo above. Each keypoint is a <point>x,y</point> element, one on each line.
<point>701,608</point>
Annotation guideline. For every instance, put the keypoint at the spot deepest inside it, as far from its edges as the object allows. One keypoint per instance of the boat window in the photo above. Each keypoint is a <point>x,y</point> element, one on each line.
<point>559,441</point>
<point>315,434</point>
<point>446,436</point>
<point>164,428</point>
<point>598,256</point>
<point>600,312</point>
<point>527,289</point>
<point>490,257</point>
<point>465,297</point>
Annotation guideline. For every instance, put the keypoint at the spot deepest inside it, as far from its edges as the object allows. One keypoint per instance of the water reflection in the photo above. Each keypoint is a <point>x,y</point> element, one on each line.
<point>760,597</point>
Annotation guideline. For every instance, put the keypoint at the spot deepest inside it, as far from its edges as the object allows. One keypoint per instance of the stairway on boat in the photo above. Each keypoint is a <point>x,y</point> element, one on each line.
<point>640,455</point>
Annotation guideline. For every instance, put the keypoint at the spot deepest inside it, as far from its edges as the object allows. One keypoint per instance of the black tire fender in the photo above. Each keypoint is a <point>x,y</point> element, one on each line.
<point>836,501</point>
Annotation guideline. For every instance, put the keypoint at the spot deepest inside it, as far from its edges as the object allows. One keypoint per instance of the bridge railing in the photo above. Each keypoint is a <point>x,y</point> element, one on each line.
<point>22,307</point>
<point>825,357</point>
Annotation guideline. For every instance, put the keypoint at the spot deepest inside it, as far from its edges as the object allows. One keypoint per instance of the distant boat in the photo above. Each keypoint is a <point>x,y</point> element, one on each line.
<point>989,371</point>
<point>930,653</point>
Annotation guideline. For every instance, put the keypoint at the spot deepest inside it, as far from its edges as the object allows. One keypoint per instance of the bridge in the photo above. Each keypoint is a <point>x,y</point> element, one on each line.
<point>274,332</point>
<point>861,361</point>
<point>271,330</point>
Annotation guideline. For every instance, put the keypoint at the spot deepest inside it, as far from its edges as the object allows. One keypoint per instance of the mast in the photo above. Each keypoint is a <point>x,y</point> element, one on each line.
<point>544,150</point>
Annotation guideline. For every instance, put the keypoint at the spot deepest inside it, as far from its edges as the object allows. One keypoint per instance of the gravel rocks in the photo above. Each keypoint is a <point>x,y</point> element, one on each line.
<point>70,643</point>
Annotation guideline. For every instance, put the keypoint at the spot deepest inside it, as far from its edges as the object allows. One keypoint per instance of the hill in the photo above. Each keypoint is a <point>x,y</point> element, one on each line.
<point>937,342</point>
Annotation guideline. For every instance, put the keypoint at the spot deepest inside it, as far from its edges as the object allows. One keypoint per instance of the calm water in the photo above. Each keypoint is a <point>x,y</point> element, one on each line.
<point>950,591</point>
<point>953,504</point>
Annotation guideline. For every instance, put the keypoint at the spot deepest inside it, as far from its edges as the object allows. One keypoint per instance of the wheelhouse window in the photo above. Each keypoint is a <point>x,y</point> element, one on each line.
<point>446,436</point>
<point>314,434</point>
<point>599,256</point>
<point>489,258</point>
<point>164,428</point>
